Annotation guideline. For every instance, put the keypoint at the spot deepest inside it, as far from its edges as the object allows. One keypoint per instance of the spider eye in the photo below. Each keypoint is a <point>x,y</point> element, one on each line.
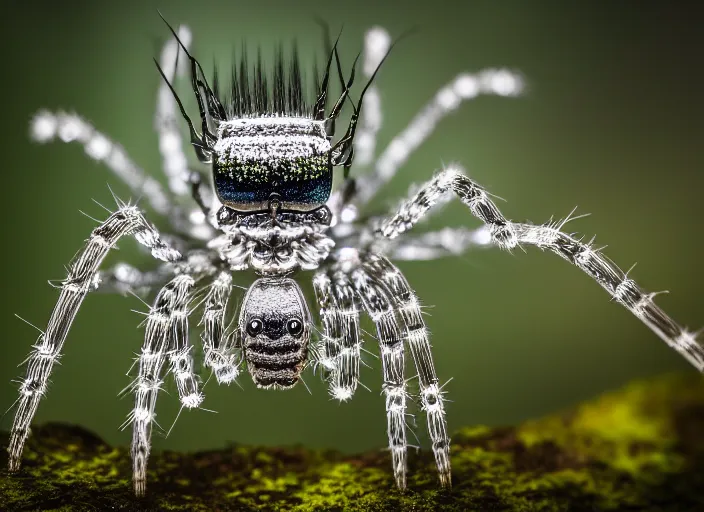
<point>294,327</point>
<point>254,326</point>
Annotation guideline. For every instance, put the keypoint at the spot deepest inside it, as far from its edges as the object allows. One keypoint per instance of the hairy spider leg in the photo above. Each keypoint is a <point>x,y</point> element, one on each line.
<point>47,126</point>
<point>166,123</point>
<point>221,349</point>
<point>342,152</point>
<point>165,339</point>
<point>407,305</point>
<point>376,45</point>
<point>340,345</point>
<point>123,278</point>
<point>378,305</point>
<point>442,243</point>
<point>126,220</point>
<point>465,86</point>
<point>508,235</point>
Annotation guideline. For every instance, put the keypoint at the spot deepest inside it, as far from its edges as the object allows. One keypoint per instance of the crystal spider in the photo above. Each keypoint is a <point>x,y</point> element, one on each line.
<point>267,205</point>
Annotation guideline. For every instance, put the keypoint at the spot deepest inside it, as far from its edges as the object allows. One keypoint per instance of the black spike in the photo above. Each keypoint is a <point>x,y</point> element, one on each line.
<point>296,82</point>
<point>196,69</point>
<point>277,85</point>
<point>343,150</point>
<point>216,80</point>
<point>346,87</point>
<point>322,97</point>
<point>245,82</point>
<point>254,92</point>
<point>201,148</point>
<point>316,72</point>
<point>235,106</point>
<point>262,85</point>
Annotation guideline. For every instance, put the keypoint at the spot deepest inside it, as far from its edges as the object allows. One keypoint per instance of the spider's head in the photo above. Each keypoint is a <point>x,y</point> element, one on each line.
<point>262,159</point>
<point>274,326</point>
<point>271,148</point>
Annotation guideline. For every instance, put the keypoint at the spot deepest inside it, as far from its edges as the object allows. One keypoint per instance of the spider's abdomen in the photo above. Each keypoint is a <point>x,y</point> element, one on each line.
<point>275,328</point>
<point>259,159</point>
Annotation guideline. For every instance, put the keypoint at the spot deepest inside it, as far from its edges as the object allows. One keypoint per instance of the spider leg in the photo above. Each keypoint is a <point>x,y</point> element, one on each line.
<point>330,317</point>
<point>438,244</point>
<point>203,197</point>
<point>166,337</point>
<point>465,86</point>
<point>416,334</point>
<point>507,235</point>
<point>219,347</point>
<point>80,280</point>
<point>616,282</point>
<point>451,180</point>
<point>166,119</point>
<point>182,180</point>
<point>341,345</point>
<point>376,44</point>
<point>180,349</point>
<point>123,278</point>
<point>378,304</point>
<point>46,126</point>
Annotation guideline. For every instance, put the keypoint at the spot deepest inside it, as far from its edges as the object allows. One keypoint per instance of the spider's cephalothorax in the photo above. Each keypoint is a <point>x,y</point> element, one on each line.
<point>271,153</point>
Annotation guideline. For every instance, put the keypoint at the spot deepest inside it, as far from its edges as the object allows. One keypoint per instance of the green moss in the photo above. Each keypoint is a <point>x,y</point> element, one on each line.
<point>641,448</point>
<point>626,430</point>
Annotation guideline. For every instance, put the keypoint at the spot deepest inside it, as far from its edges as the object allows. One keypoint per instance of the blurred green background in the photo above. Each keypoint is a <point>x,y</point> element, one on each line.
<point>612,122</point>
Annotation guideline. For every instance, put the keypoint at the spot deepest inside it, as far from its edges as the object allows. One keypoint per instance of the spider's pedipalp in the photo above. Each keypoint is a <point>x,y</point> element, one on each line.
<point>416,334</point>
<point>341,345</point>
<point>80,280</point>
<point>218,347</point>
<point>378,305</point>
<point>165,339</point>
<point>182,180</point>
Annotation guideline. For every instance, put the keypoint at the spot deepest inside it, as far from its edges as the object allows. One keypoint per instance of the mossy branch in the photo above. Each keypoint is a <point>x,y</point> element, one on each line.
<point>641,448</point>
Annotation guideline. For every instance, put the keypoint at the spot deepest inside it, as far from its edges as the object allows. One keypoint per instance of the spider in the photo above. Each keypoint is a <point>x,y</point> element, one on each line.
<point>269,206</point>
